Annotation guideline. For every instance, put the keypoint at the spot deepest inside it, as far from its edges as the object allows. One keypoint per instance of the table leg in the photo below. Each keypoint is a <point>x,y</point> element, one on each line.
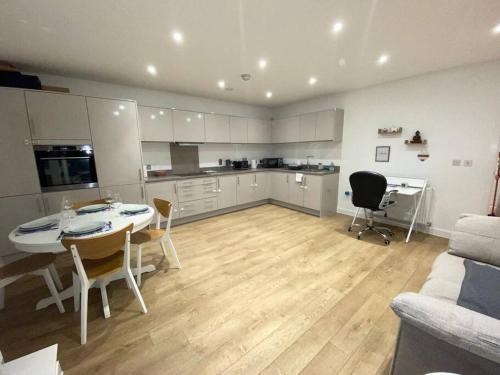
<point>68,292</point>
<point>416,212</point>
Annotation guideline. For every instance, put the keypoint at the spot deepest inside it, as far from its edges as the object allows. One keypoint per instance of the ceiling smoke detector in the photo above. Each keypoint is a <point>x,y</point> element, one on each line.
<point>246,77</point>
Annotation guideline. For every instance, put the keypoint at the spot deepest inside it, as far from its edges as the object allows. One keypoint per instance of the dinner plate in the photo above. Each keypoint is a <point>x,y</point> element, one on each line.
<point>85,228</point>
<point>93,208</point>
<point>134,208</point>
<point>38,224</point>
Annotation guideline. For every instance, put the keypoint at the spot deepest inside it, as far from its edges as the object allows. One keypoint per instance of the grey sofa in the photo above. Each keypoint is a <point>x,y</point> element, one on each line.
<point>435,333</point>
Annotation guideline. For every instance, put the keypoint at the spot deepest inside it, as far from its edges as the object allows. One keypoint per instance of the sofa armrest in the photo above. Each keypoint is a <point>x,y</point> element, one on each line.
<point>476,237</point>
<point>456,325</point>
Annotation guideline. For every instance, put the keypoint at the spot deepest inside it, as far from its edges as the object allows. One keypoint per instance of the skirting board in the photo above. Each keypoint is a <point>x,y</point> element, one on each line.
<point>430,230</point>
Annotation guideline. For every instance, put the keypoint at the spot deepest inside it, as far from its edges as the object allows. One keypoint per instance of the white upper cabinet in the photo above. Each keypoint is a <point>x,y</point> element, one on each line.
<point>19,173</point>
<point>57,116</point>
<point>115,136</point>
<point>307,129</point>
<point>329,125</point>
<point>259,131</point>
<point>156,124</point>
<point>217,128</point>
<point>189,126</point>
<point>238,127</point>
<point>277,132</point>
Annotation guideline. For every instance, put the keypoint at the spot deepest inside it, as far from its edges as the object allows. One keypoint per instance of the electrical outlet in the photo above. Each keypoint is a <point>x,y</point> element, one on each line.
<point>467,163</point>
<point>456,163</point>
<point>347,193</point>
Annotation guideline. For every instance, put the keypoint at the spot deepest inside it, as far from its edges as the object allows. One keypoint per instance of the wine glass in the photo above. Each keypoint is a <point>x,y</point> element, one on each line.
<point>65,218</point>
<point>109,198</point>
<point>117,200</point>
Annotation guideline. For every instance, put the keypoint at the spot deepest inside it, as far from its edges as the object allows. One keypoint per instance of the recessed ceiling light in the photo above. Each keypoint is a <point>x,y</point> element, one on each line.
<point>262,63</point>
<point>121,106</point>
<point>188,119</point>
<point>496,30</point>
<point>342,62</point>
<point>177,37</point>
<point>152,70</point>
<point>116,113</point>
<point>200,115</point>
<point>153,117</point>
<point>383,59</point>
<point>173,108</point>
<point>221,84</point>
<point>162,113</point>
<point>337,27</point>
<point>269,94</point>
<point>313,80</point>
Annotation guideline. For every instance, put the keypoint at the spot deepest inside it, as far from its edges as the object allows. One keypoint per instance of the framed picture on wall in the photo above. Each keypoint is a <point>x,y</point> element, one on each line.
<point>382,153</point>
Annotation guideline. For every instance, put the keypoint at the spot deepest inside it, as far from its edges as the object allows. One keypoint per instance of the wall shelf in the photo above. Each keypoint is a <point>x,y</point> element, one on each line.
<point>390,131</point>
<point>410,142</point>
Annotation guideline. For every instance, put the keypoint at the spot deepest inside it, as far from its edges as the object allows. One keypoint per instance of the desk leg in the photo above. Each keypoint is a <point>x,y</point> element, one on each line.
<point>416,212</point>
<point>68,292</point>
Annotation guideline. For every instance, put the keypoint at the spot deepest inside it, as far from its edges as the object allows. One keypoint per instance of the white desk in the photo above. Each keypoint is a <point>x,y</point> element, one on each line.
<point>412,187</point>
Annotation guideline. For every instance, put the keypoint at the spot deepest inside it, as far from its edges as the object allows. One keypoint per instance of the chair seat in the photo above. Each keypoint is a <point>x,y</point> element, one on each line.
<point>101,267</point>
<point>146,235</point>
<point>26,265</point>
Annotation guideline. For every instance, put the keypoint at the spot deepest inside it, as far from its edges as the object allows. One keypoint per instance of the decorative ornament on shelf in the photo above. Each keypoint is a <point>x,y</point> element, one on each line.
<point>416,139</point>
<point>393,130</point>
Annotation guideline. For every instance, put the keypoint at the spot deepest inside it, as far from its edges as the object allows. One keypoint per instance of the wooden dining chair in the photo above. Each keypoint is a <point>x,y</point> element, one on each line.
<point>37,264</point>
<point>156,235</point>
<point>97,261</point>
<point>78,205</point>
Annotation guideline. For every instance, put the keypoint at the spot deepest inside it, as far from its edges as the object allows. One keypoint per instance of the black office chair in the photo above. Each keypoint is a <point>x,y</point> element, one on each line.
<point>369,192</point>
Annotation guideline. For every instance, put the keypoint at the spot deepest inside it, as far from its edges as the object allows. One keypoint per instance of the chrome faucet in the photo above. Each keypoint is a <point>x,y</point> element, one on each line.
<point>308,157</point>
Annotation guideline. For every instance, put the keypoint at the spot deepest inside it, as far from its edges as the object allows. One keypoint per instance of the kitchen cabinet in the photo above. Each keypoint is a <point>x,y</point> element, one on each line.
<point>259,131</point>
<point>18,166</point>
<point>166,190</point>
<point>286,130</point>
<point>277,133</point>
<point>329,125</point>
<point>307,127</point>
<point>217,128</point>
<point>197,207</point>
<point>226,191</point>
<point>195,189</point>
<point>238,129</point>
<point>57,116</point>
<point>133,193</point>
<point>295,191</point>
<point>279,186</point>
<point>156,124</point>
<point>312,188</point>
<point>52,201</point>
<point>189,126</point>
<point>15,211</point>
<point>115,137</point>
<point>245,188</point>
<point>261,186</point>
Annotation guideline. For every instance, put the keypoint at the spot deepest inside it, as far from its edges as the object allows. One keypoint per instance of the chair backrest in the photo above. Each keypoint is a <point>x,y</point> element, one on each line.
<point>164,207</point>
<point>78,205</point>
<point>368,188</point>
<point>99,247</point>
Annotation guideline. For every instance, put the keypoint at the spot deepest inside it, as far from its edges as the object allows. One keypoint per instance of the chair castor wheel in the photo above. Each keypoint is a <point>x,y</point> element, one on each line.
<point>349,229</point>
<point>387,242</point>
<point>359,237</point>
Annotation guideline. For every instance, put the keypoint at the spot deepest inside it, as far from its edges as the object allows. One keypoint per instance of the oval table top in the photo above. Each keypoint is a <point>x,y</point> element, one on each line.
<point>47,242</point>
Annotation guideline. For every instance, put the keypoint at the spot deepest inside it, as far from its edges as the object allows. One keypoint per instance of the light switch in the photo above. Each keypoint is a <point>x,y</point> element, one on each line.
<point>456,163</point>
<point>467,163</point>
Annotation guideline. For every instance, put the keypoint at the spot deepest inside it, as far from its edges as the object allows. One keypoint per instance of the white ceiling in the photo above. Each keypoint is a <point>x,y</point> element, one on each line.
<point>114,40</point>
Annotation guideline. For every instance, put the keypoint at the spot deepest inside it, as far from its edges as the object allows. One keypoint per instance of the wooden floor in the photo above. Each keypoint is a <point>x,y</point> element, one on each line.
<point>265,290</point>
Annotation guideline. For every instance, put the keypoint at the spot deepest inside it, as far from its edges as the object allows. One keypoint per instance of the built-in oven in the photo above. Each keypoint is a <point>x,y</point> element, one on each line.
<point>65,167</point>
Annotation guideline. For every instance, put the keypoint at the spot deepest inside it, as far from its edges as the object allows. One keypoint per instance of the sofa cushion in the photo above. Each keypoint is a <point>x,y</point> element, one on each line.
<point>481,289</point>
<point>445,280</point>
<point>477,237</point>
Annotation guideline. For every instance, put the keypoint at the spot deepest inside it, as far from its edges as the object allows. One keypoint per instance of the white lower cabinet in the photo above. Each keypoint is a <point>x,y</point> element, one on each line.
<point>251,187</point>
<point>295,192</point>
<point>226,191</point>
<point>15,211</point>
<point>197,196</point>
<point>133,193</point>
<point>279,186</point>
<point>313,191</point>
<point>53,200</point>
<point>197,207</point>
<point>166,190</point>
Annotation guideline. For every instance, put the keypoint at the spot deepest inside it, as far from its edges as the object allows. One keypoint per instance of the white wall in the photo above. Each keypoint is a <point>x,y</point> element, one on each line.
<point>457,110</point>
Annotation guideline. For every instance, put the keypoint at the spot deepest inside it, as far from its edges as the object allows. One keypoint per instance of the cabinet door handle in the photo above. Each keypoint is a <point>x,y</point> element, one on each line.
<point>142,192</point>
<point>27,142</point>
<point>175,188</point>
<point>32,127</point>
<point>140,174</point>
<point>287,179</point>
<point>238,179</point>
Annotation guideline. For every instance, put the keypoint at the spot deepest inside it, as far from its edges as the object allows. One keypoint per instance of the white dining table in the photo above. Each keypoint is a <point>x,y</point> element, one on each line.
<point>49,241</point>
